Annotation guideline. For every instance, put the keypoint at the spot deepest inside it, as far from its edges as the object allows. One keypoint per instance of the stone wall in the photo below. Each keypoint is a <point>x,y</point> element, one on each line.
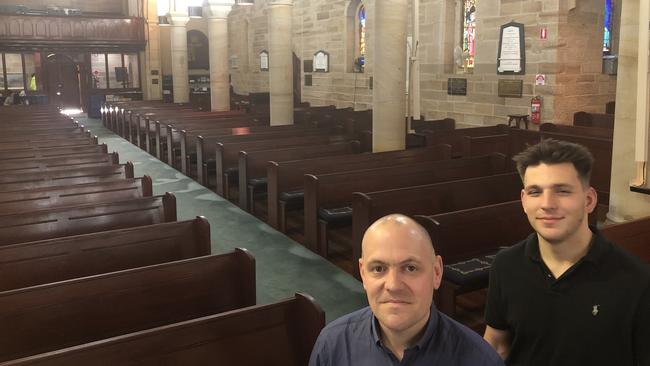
<point>570,57</point>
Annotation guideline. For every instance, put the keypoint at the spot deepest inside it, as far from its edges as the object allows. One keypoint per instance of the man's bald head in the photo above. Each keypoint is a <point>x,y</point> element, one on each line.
<point>396,224</point>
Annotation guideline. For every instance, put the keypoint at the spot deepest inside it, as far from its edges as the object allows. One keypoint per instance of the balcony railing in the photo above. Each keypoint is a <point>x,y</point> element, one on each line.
<point>26,31</point>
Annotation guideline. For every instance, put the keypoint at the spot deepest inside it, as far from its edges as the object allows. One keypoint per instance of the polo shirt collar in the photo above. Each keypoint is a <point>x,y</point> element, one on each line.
<point>597,248</point>
<point>434,318</point>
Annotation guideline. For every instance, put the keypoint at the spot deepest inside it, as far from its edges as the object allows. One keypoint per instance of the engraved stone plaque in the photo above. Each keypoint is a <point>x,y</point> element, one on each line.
<point>457,86</point>
<point>511,88</point>
<point>308,80</point>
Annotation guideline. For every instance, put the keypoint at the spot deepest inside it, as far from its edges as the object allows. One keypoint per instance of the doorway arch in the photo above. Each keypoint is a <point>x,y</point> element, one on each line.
<point>62,80</point>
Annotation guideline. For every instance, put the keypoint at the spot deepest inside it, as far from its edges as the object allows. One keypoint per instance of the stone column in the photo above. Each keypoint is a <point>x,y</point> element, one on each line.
<point>623,204</point>
<point>218,11</point>
<point>151,57</point>
<point>281,62</point>
<point>179,56</point>
<point>388,111</point>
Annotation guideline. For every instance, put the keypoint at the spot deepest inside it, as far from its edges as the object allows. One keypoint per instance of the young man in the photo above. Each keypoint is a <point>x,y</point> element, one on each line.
<point>565,295</point>
<point>400,271</point>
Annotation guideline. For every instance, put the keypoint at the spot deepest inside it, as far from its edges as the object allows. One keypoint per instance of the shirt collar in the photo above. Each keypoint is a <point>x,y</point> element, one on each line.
<point>432,323</point>
<point>597,248</point>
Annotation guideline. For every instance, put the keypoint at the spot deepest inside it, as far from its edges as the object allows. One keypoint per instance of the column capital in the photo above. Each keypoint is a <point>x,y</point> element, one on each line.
<point>217,9</point>
<point>281,2</point>
<point>178,19</point>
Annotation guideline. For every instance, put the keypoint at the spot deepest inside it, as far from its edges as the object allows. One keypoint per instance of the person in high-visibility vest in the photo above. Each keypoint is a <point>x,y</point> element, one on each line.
<point>32,83</point>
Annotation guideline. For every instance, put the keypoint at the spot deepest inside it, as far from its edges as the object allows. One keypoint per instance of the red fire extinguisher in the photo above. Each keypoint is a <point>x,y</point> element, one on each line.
<point>536,109</point>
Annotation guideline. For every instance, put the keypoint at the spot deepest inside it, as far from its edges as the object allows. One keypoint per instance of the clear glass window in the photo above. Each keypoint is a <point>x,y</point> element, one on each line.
<point>132,71</point>
<point>33,73</point>
<point>116,72</point>
<point>98,70</point>
<point>14,65</point>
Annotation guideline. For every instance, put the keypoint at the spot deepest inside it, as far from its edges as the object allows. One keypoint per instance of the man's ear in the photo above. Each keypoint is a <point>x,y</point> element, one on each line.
<point>438,268</point>
<point>591,200</point>
<point>362,273</point>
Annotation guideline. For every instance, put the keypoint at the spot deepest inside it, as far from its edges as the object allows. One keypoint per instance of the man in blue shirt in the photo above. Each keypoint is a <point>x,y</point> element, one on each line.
<point>400,271</point>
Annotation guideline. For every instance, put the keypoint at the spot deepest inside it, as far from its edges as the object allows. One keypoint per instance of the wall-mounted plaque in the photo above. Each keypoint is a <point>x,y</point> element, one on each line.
<point>154,72</point>
<point>370,82</point>
<point>264,60</point>
<point>511,88</point>
<point>308,80</point>
<point>321,61</point>
<point>308,65</point>
<point>457,86</point>
<point>234,62</point>
<point>511,59</point>
<point>154,81</point>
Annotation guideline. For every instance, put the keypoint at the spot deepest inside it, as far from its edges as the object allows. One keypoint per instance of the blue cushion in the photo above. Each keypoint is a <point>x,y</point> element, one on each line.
<point>471,274</point>
<point>337,215</point>
<point>258,183</point>
<point>232,174</point>
<point>293,198</point>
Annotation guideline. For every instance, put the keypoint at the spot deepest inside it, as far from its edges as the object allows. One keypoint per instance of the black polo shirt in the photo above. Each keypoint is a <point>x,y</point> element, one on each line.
<point>596,313</point>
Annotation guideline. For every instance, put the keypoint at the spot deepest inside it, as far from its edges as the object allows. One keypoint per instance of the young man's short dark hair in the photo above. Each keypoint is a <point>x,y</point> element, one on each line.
<point>552,151</point>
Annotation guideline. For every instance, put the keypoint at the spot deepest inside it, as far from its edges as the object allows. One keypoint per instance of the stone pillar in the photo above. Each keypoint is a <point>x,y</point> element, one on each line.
<point>218,11</point>
<point>388,122</point>
<point>281,62</point>
<point>623,204</point>
<point>179,56</point>
<point>151,57</point>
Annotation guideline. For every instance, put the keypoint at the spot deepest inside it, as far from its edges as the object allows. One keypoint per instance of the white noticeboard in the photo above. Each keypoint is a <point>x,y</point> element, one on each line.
<point>321,61</point>
<point>264,61</point>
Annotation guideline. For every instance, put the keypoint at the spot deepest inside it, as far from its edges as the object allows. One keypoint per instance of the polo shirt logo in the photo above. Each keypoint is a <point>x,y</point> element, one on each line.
<point>594,310</point>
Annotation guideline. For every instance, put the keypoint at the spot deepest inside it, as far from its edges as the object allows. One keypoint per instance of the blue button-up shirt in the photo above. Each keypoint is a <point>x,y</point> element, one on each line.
<point>354,340</point>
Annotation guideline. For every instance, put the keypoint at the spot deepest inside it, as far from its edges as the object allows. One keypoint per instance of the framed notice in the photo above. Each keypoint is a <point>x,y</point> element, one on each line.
<point>457,86</point>
<point>321,61</point>
<point>511,59</point>
<point>264,60</point>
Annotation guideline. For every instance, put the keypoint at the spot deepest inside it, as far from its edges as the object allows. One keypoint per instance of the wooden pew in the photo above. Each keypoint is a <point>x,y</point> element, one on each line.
<point>63,314</point>
<point>86,218</point>
<point>252,165</point>
<point>328,196</point>
<point>59,152</point>
<point>39,262</point>
<point>32,180</point>
<point>20,166</point>
<point>601,120</point>
<point>43,136</point>
<point>455,137</point>
<point>604,133</point>
<point>68,195</point>
<point>283,333</point>
<point>483,145</point>
<point>468,254</point>
<point>445,124</point>
<point>47,143</point>
<point>227,154</point>
<point>68,129</point>
<point>286,182</point>
<point>633,236</point>
<point>429,199</point>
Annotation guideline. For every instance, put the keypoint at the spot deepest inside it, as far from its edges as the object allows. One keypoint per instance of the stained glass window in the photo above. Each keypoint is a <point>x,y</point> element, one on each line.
<point>469,32</point>
<point>361,58</point>
<point>607,35</point>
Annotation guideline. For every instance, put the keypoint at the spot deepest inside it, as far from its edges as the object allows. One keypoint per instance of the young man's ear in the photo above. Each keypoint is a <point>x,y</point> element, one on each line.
<point>592,199</point>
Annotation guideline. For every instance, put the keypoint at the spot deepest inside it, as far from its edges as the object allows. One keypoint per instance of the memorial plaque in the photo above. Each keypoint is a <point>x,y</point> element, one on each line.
<point>308,80</point>
<point>511,59</point>
<point>457,86</point>
<point>321,61</point>
<point>511,88</point>
<point>308,65</point>
<point>264,60</point>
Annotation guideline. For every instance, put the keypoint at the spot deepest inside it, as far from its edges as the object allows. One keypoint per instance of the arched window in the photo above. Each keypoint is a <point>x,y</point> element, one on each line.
<point>361,38</point>
<point>469,33</point>
<point>607,34</point>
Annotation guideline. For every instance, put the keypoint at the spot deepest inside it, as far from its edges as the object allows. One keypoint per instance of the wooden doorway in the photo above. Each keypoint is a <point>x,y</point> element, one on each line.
<point>62,81</point>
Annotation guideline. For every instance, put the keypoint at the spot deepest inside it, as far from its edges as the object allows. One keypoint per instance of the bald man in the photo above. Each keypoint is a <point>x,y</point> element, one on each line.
<point>400,270</point>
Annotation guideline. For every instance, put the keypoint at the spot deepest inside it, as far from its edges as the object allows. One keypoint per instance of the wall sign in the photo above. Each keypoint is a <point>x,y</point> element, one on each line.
<point>264,60</point>
<point>511,59</point>
<point>321,61</point>
<point>457,86</point>
<point>511,88</point>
